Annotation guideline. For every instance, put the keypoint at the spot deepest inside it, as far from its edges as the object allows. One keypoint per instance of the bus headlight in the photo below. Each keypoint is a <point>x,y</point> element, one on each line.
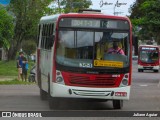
<point>125,82</point>
<point>59,78</point>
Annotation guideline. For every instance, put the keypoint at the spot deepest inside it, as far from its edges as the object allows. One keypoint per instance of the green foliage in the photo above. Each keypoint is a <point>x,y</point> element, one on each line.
<point>146,14</point>
<point>27,14</point>
<point>74,6</point>
<point>9,68</point>
<point>6,28</point>
<point>29,46</point>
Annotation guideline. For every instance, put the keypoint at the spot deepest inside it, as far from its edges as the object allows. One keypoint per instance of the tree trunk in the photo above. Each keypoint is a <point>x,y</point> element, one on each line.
<point>13,49</point>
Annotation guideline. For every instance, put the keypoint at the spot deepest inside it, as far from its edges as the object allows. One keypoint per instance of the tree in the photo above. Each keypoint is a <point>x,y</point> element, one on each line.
<point>6,28</point>
<point>74,5</point>
<point>29,46</point>
<point>145,13</point>
<point>27,14</point>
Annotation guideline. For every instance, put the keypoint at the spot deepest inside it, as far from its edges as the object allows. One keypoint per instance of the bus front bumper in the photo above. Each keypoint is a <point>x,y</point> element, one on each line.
<point>59,90</point>
<point>148,67</point>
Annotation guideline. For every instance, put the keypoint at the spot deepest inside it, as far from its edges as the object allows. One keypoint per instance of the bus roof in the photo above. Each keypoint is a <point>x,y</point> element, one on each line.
<point>53,18</point>
<point>49,19</point>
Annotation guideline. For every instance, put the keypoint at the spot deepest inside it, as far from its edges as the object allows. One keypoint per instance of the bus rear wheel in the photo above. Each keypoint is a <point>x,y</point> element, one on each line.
<point>117,104</point>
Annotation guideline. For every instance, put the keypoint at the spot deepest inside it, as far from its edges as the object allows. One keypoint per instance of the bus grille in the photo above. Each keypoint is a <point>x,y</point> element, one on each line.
<point>92,80</point>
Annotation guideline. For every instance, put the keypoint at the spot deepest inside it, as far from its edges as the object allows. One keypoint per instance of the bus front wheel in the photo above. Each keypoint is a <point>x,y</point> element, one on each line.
<point>117,104</point>
<point>156,70</point>
<point>43,94</point>
<point>53,102</point>
<point>140,70</point>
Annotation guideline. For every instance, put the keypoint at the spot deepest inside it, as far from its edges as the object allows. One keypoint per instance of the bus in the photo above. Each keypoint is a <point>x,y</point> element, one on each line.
<point>72,58</point>
<point>148,58</point>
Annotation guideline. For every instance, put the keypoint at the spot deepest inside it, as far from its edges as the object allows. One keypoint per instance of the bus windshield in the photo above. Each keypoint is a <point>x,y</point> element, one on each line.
<point>92,49</point>
<point>149,56</point>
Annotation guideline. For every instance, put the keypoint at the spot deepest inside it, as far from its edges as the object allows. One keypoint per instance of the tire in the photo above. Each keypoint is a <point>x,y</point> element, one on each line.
<point>43,94</point>
<point>156,71</point>
<point>117,104</point>
<point>31,79</point>
<point>52,102</point>
<point>140,70</point>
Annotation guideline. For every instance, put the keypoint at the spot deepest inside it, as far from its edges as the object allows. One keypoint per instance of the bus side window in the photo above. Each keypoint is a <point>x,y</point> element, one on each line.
<point>47,36</point>
<point>51,35</point>
<point>51,41</point>
<point>38,35</point>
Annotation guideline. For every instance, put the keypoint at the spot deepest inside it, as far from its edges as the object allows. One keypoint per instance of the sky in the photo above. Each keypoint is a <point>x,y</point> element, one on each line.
<point>109,7</point>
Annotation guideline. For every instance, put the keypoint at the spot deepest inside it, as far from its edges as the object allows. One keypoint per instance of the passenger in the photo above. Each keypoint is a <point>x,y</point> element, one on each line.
<point>19,64</point>
<point>24,69</point>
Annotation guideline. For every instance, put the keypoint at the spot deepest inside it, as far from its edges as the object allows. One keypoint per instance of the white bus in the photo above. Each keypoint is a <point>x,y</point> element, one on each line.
<point>71,58</point>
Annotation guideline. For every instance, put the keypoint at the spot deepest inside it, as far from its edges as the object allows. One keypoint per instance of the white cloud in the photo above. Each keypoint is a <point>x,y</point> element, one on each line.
<point>109,9</point>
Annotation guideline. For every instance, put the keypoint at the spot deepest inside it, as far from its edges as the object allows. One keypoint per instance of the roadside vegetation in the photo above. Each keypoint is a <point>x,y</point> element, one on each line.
<point>9,68</point>
<point>15,82</point>
<point>8,73</point>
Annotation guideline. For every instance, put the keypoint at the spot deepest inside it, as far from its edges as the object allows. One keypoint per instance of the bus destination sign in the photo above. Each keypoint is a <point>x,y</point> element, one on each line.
<point>148,48</point>
<point>94,23</point>
<point>85,23</point>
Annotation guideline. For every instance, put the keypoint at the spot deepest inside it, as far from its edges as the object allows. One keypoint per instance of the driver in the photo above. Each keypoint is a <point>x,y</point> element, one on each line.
<point>115,49</point>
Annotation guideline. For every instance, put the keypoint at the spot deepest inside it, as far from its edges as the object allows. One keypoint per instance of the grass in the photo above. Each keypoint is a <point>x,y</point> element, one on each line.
<point>9,68</point>
<point>8,71</point>
<point>15,82</point>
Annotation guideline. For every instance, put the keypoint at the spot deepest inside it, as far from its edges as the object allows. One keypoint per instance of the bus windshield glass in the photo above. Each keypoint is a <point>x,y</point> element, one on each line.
<point>93,46</point>
<point>149,56</point>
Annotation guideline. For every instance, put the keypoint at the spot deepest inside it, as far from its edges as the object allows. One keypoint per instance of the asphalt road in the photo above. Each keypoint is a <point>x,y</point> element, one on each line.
<point>145,96</point>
